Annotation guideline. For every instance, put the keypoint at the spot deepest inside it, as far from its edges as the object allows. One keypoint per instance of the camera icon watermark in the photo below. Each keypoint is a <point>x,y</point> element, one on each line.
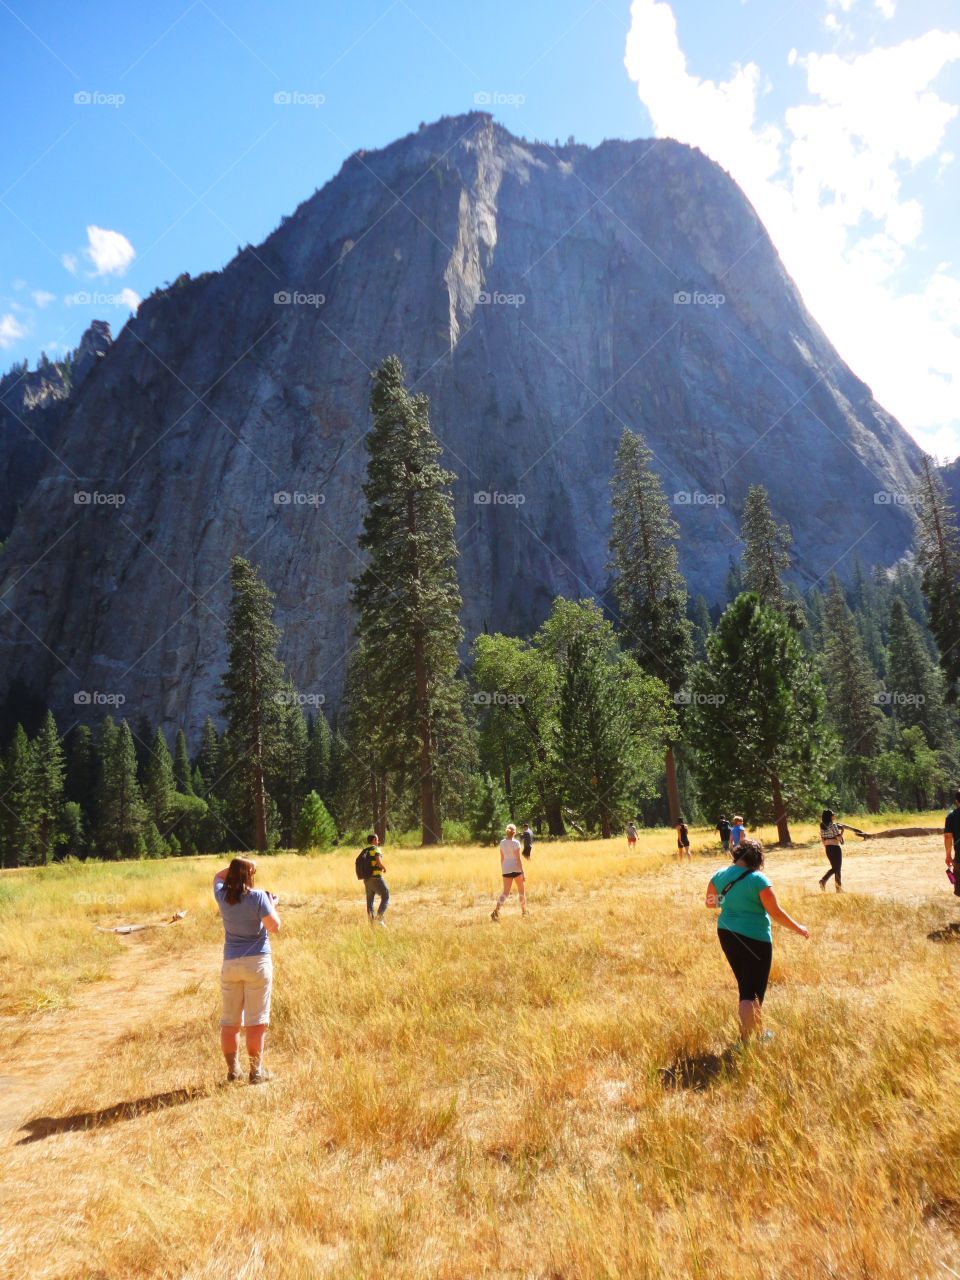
<point>697,298</point>
<point>896,698</point>
<point>94,498</point>
<point>95,698</point>
<point>695,498</point>
<point>498,299</point>
<point>498,98</point>
<point>495,698</point>
<point>296,498</point>
<point>297,98</point>
<point>891,498</point>
<point>294,298</point>
<point>83,899</point>
<point>293,698</point>
<point>686,698</point>
<point>493,498</point>
<point>95,98</point>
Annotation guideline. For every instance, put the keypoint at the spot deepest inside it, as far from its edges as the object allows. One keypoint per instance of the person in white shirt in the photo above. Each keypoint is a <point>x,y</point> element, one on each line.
<point>511,868</point>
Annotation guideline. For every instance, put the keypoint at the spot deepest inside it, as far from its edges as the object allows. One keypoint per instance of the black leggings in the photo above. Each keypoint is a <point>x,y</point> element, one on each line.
<point>750,961</point>
<point>835,856</point>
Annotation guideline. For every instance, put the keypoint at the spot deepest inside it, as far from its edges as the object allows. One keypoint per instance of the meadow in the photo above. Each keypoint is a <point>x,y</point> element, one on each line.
<point>551,1098</point>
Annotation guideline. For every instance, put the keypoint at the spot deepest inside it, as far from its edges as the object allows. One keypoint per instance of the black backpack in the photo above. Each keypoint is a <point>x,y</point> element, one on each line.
<point>362,864</point>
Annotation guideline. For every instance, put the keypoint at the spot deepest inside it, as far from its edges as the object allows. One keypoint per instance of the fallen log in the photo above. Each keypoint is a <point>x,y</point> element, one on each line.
<point>137,928</point>
<point>896,832</point>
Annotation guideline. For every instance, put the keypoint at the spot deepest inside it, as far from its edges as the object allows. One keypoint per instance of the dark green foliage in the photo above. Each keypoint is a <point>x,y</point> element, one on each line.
<point>315,829</point>
<point>408,607</point>
<point>766,551</point>
<point>18,823</point>
<point>182,773</point>
<point>486,806</point>
<point>121,812</point>
<point>938,556</point>
<point>156,781</point>
<point>49,771</point>
<point>756,719</point>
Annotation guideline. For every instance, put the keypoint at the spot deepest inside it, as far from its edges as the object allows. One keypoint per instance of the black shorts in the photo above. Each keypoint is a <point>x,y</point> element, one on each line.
<point>511,875</point>
<point>750,961</point>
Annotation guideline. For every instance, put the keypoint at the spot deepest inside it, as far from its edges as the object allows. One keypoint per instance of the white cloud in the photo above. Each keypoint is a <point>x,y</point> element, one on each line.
<point>887,7</point>
<point>10,330</point>
<point>109,252</point>
<point>127,298</point>
<point>106,253</point>
<point>42,298</point>
<point>827,184</point>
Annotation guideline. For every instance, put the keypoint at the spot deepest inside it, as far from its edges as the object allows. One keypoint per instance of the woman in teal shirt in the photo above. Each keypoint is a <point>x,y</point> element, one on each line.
<point>747,904</point>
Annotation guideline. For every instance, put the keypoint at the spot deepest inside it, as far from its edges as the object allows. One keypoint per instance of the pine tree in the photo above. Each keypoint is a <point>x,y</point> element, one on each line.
<point>914,686</point>
<point>486,805</point>
<point>651,592</point>
<point>766,552</point>
<point>182,773</point>
<point>83,771</point>
<point>48,785</point>
<point>407,597</point>
<point>756,719</point>
<point>613,720</point>
<point>18,821</point>
<point>701,627</point>
<point>314,828</point>
<point>250,686</point>
<point>851,690</point>
<point>122,813</point>
<point>157,782</point>
<point>208,758</point>
<point>318,757</point>
<point>288,778</point>
<point>938,555</point>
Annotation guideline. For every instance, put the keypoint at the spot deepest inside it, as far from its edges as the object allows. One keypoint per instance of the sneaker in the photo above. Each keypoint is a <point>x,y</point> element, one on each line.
<point>260,1076</point>
<point>495,916</point>
<point>381,922</point>
<point>233,1075</point>
<point>823,886</point>
<point>839,888</point>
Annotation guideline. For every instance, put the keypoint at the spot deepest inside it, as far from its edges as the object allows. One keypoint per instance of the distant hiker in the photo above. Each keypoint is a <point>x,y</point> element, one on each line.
<point>370,869</point>
<point>747,903</point>
<point>511,869</point>
<point>526,835</point>
<point>737,833</point>
<point>631,836</point>
<point>723,831</point>
<point>951,843</point>
<point>831,837</point>
<point>246,978</point>
<point>683,840</point>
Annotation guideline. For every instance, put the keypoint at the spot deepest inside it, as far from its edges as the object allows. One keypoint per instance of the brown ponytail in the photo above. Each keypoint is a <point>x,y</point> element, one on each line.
<point>239,879</point>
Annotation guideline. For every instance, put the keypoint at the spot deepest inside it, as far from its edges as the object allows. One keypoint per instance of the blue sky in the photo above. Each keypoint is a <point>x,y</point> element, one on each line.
<point>183,154</point>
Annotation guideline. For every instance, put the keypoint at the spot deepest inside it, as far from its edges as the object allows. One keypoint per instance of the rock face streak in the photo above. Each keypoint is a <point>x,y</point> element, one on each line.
<point>543,298</point>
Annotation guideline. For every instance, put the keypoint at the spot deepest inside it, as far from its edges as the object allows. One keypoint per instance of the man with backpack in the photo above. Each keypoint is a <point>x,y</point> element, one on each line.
<point>370,869</point>
<point>527,837</point>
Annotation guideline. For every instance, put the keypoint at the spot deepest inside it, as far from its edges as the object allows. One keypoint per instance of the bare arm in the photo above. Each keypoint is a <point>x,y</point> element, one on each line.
<point>776,912</point>
<point>711,899</point>
<point>948,846</point>
<point>221,875</point>
<point>272,923</point>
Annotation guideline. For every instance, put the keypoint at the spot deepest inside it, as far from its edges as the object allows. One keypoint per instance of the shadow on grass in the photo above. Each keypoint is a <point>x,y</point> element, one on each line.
<point>46,1126</point>
<point>949,933</point>
<point>700,1071</point>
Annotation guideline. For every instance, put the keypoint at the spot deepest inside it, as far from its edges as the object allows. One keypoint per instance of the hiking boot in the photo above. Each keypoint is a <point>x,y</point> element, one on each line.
<point>260,1075</point>
<point>233,1075</point>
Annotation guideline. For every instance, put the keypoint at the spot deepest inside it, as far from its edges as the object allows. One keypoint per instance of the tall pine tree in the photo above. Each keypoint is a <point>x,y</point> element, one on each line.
<point>766,551</point>
<point>48,781</point>
<point>122,813</point>
<point>851,690</point>
<point>408,597</point>
<point>251,683</point>
<point>651,592</point>
<point>938,555</point>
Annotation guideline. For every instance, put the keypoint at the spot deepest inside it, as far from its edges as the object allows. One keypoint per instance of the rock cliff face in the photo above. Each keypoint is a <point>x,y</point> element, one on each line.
<point>543,298</point>
<point>33,403</point>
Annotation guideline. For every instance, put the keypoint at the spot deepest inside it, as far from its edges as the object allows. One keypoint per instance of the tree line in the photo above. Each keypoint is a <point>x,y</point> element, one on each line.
<point>626,706</point>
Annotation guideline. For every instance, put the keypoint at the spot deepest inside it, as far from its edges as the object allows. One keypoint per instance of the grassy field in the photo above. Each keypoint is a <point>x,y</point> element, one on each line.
<point>552,1097</point>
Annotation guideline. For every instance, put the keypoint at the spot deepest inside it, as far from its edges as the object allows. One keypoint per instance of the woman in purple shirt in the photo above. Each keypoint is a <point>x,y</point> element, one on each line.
<point>246,978</point>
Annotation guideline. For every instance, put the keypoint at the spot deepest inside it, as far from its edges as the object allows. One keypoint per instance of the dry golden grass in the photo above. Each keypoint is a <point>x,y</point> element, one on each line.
<point>549,1098</point>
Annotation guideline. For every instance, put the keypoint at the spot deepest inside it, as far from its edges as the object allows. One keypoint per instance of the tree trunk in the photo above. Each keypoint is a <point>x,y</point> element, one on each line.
<point>508,791</point>
<point>554,815</point>
<point>873,794</point>
<point>432,833</point>
<point>783,829</point>
<point>673,792</point>
<point>605,829</point>
<point>381,824</point>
